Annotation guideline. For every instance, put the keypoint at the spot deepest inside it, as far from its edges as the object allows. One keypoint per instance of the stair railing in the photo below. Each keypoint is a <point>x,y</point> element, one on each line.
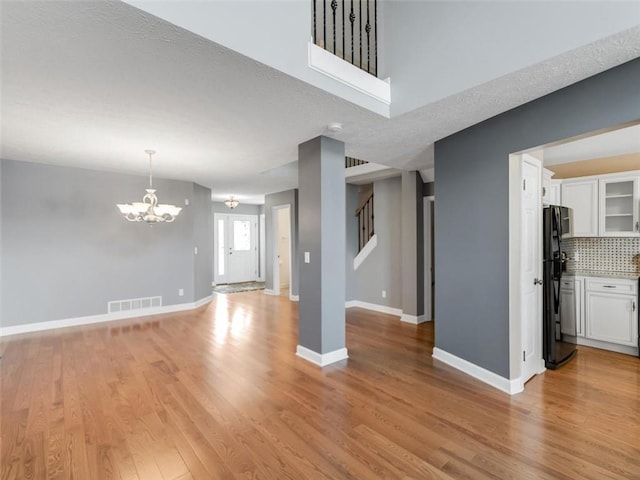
<point>353,162</point>
<point>365,216</point>
<point>348,29</point>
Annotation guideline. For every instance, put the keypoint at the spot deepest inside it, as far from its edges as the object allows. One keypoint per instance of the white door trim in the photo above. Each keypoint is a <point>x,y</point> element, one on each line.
<point>227,217</point>
<point>531,367</point>
<point>275,270</point>
<point>217,279</point>
<point>261,249</point>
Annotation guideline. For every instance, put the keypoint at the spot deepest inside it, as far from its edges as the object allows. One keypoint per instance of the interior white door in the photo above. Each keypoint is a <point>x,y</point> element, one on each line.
<point>283,247</point>
<point>242,248</point>
<point>235,246</point>
<point>531,267</point>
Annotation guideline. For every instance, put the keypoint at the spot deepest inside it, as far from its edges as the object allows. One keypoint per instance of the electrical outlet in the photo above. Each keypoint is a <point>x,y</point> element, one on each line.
<point>186,202</point>
<point>181,292</point>
<point>307,258</point>
<point>384,294</point>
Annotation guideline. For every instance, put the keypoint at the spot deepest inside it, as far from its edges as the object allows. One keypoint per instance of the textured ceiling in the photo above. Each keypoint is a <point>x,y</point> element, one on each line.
<point>614,143</point>
<point>92,84</point>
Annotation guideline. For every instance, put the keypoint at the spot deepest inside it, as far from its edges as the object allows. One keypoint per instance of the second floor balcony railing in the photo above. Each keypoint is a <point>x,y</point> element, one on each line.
<point>348,29</point>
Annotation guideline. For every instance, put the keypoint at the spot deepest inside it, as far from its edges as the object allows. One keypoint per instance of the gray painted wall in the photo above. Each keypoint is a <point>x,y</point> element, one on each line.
<point>412,244</point>
<point>382,270</point>
<point>322,233</point>
<point>242,209</point>
<point>67,251</point>
<point>288,197</point>
<point>472,209</point>
<point>351,221</point>
<point>203,239</point>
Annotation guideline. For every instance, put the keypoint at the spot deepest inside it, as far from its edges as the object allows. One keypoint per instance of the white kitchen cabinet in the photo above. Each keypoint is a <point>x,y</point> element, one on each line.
<point>555,197</point>
<point>578,283</point>
<point>619,204</point>
<point>568,320</point>
<point>572,306</point>
<point>546,186</point>
<point>582,197</point>
<point>612,311</point>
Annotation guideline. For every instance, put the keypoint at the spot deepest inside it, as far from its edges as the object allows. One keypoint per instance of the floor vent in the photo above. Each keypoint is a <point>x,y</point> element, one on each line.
<point>133,304</point>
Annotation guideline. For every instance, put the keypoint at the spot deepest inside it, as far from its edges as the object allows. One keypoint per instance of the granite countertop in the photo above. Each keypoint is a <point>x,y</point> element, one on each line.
<point>604,274</point>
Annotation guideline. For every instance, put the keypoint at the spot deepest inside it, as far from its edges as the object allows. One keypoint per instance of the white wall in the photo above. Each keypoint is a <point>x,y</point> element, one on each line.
<point>432,50</point>
<point>273,32</point>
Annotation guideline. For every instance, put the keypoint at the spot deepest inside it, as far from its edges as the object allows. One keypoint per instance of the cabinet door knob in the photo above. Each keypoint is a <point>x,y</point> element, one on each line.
<point>633,305</point>
<point>637,226</point>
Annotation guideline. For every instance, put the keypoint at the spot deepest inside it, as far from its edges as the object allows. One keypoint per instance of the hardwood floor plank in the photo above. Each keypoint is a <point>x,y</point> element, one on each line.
<point>218,393</point>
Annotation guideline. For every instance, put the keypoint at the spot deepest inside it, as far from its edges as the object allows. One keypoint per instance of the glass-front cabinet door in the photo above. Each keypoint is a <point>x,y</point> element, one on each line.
<point>619,204</point>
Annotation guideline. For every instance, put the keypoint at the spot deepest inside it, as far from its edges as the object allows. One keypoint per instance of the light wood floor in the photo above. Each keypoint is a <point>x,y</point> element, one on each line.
<point>219,393</point>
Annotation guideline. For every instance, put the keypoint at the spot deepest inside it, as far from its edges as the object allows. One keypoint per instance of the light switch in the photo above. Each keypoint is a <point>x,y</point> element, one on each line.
<point>306,257</point>
<point>195,250</point>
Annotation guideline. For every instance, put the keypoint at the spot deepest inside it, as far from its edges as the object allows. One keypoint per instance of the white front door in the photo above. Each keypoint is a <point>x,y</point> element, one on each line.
<point>236,252</point>
<point>531,267</point>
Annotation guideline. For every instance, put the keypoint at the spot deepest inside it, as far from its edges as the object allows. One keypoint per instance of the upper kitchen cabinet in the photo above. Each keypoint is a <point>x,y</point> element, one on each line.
<point>619,203</point>
<point>546,187</point>
<point>555,197</point>
<point>582,197</point>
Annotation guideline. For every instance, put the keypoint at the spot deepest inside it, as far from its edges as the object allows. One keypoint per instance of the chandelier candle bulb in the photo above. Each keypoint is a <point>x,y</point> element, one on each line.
<point>148,210</point>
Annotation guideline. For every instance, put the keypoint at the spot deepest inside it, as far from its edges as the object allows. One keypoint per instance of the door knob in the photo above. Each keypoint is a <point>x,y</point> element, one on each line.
<point>537,281</point>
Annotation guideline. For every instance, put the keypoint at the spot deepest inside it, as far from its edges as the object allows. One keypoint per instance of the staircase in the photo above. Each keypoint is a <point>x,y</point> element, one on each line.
<point>365,216</point>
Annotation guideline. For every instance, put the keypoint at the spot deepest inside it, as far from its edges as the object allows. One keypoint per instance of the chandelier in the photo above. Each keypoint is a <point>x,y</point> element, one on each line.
<point>231,203</point>
<point>148,209</point>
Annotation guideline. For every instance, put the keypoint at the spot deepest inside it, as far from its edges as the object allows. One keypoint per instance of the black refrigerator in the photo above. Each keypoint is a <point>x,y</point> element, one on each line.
<point>556,227</point>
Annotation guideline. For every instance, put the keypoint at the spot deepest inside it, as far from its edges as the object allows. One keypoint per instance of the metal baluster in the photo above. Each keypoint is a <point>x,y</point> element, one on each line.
<point>368,30</point>
<point>324,23</point>
<point>360,23</point>
<point>344,54</point>
<point>359,236</point>
<point>373,225</point>
<point>315,40</point>
<point>334,6</point>
<point>352,19</point>
<point>365,211</point>
<point>375,37</point>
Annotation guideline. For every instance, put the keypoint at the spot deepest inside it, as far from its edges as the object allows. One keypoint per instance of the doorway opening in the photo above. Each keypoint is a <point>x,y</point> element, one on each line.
<point>429,273</point>
<point>282,283</point>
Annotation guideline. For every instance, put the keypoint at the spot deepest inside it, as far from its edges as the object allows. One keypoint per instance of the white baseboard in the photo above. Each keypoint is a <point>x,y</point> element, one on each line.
<point>613,347</point>
<point>101,318</point>
<point>508,386</point>
<point>415,320</point>
<point>372,306</point>
<point>321,359</point>
<point>294,298</point>
<point>268,291</point>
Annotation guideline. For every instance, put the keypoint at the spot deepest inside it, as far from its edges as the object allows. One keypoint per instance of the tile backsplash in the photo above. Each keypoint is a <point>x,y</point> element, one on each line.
<point>603,254</point>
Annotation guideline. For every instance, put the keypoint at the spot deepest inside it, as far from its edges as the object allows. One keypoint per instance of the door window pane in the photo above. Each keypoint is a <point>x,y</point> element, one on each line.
<point>241,235</point>
<point>221,235</point>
